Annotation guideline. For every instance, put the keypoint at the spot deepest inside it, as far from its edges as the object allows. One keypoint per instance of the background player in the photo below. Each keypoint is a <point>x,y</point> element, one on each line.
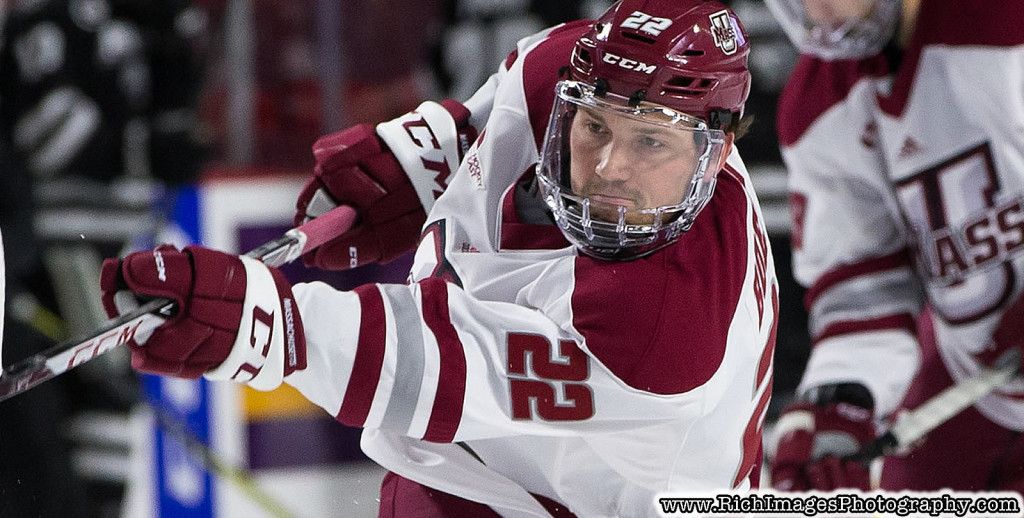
<point>591,313</point>
<point>900,127</point>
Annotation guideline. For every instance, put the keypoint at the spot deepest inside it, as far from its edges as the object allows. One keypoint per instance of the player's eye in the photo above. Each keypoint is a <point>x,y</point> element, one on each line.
<point>596,128</point>
<point>649,142</point>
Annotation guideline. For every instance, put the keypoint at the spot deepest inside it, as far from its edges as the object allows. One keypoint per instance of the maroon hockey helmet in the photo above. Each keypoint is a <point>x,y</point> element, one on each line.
<point>640,130</point>
<point>688,55</point>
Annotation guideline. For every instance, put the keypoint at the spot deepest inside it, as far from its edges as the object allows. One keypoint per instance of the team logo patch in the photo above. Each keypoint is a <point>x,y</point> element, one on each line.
<point>727,35</point>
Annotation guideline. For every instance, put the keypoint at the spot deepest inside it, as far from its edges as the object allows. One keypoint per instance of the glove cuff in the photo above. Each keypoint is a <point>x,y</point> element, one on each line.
<point>426,142</point>
<point>270,343</point>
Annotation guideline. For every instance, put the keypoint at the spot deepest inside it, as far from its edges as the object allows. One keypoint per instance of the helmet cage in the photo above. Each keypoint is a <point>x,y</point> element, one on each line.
<point>637,231</point>
<point>853,39</point>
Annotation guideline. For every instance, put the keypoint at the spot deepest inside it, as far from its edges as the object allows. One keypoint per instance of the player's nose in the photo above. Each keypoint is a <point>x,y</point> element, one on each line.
<point>616,163</point>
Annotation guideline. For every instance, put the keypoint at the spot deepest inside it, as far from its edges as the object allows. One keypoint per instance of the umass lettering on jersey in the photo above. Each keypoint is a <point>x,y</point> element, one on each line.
<point>963,234</point>
<point>988,239</point>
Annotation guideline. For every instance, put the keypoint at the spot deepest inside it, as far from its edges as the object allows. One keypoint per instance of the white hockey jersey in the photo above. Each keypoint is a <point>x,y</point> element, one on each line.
<point>907,188</point>
<point>511,364</point>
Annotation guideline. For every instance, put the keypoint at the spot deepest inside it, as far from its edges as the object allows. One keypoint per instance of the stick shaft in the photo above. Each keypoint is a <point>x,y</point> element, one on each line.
<point>915,424</point>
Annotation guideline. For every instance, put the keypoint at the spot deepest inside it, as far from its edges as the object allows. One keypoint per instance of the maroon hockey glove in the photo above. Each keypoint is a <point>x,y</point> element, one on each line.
<point>392,194</point>
<point>354,167</point>
<point>211,290</point>
<point>813,439</point>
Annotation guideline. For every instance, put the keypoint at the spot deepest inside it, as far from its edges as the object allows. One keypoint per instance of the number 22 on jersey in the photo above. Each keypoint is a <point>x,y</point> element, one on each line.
<point>537,396</point>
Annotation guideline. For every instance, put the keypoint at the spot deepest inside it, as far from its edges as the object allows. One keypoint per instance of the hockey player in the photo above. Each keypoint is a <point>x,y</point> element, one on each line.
<point>906,166</point>
<point>590,316</point>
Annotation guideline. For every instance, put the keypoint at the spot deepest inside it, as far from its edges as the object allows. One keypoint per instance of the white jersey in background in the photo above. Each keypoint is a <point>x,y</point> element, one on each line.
<point>906,188</point>
<point>511,364</point>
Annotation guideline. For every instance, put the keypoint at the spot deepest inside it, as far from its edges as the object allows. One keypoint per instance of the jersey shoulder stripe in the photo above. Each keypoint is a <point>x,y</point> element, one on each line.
<point>992,23</point>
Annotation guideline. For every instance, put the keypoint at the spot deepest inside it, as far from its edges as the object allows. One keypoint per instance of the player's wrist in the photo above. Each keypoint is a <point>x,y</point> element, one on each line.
<point>270,342</point>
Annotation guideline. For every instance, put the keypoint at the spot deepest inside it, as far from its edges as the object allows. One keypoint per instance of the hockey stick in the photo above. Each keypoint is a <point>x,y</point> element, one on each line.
<point>60,358</point>
<point>914,424</point>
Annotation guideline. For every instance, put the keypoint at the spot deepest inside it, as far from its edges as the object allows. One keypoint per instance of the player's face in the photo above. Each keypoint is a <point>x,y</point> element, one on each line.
<point>834,13</point>
<point>618,161</point>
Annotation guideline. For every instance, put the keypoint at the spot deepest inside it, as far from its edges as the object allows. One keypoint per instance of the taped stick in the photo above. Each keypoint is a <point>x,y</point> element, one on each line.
<point>60,358</point>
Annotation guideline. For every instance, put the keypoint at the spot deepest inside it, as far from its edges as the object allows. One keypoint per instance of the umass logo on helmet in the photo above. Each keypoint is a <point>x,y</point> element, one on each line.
<point>723,29</point>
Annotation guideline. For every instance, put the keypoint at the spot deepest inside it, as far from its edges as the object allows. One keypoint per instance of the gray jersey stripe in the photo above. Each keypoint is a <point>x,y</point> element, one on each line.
<point>409,360</point>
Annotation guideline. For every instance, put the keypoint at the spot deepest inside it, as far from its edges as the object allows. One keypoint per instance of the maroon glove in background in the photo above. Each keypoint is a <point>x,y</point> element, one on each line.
<point>793,469</point>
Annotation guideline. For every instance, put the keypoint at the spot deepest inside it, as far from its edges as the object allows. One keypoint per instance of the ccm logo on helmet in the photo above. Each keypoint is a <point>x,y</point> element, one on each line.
<point>628,64</point>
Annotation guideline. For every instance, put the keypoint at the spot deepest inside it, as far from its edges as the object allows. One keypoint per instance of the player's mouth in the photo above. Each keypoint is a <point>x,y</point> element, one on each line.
<point>612,199</point>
